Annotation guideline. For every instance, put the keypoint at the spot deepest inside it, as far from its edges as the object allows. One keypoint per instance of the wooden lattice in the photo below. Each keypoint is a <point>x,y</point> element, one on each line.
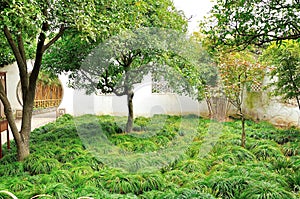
<point>256,87</point>
<point>161,87</point>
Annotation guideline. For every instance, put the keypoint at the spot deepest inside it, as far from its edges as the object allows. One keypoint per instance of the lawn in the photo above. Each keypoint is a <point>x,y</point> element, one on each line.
<point>164,157</point>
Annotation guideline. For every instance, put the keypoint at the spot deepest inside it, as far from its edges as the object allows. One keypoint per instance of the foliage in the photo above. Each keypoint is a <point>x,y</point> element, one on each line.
<point>71,50</point>
<point>28,29</point>
<point>261,170</point>
<point>239,71</point>
<point>285,66</point>
<point>242,23</point>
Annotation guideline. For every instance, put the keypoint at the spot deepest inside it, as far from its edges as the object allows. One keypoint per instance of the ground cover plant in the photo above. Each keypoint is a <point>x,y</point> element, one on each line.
<point>62,166</point>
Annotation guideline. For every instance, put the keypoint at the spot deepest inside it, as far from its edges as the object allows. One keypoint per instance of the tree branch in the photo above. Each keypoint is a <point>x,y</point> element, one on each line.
<point>9,114</point>
<point>20,62</point>
<point>54,39</point>
<point>21,46</point>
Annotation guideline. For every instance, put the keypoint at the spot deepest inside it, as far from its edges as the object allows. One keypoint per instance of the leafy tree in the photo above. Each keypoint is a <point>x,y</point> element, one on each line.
<point>239,71</point>
<point>286,69</point>
<point>38,24</point>
<point>123,61</point>
<point>130,51</point>
<point>212,92</point>
<point>69,52</point>
<point>241,23</point>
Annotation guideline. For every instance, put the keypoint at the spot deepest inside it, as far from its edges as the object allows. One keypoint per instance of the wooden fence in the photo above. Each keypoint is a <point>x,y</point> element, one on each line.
<point>47,96</point>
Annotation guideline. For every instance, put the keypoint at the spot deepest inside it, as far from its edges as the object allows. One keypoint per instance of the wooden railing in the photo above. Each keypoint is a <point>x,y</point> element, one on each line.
<point>46,103</point>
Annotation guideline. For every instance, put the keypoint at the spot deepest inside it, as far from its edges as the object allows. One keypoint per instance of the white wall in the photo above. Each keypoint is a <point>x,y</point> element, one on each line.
<point>258,106</point>
<point>12,78</point>
<point>145,103</point>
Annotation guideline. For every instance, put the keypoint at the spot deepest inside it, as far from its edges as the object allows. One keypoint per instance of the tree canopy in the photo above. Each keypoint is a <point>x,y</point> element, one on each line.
<point>29,28</point>
<point>238,71</point>
<point>69,52</point>
<point>284,61</point>
<point>119,58</point>
<point>242,23</point>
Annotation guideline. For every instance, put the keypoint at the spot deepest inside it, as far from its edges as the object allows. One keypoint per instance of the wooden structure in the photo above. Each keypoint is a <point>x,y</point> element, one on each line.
<point>47,96</point>
<point>3,121</point>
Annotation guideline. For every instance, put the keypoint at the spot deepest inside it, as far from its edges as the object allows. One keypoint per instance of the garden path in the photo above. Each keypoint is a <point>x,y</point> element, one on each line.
<point>37,121</point>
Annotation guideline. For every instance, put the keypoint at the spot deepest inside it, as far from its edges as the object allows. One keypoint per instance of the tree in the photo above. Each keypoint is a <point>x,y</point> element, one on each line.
<point>216,101</point>
<point>123,60</point>
<point>241,23</point>
<point>130,51</point>
<point>285,60</point>
<point>239,71</point>
<point>69,52</point>
<point>38,24</point>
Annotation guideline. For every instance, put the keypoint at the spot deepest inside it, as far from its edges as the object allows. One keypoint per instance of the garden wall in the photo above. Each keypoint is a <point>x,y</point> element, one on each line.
<point>258,105</point>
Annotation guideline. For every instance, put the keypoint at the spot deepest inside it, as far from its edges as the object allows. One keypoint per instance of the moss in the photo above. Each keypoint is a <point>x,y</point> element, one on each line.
<point>252,99</point>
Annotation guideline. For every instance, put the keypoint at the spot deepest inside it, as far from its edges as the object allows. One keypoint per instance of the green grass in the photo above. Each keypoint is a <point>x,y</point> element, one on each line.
<point>163,157</point>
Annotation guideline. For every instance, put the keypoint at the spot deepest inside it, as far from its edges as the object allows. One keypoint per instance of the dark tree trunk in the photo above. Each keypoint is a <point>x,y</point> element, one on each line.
<point>298,102</point>
<point>243,143</point>
<point>28,85</point>
<point>129,124</point>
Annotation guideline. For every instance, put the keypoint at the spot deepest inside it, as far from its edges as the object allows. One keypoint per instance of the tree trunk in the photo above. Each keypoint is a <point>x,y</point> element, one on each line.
<point>23,150</point>
<point>23,144</point>
<point>129,124</point>
<point>243,143</point>
<point>298,102</point>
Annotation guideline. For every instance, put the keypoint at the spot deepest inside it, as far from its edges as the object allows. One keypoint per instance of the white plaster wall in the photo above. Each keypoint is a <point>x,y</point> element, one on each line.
<point>264,107</point>
<point>67,100</point>
<point>12,80</point>
<point>145,103</point>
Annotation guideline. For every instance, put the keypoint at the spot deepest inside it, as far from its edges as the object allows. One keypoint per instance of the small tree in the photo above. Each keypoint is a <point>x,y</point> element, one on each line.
<point>124,60</point>
<point>212,92</point>
<point>286,61</point>
<point>239,71</point>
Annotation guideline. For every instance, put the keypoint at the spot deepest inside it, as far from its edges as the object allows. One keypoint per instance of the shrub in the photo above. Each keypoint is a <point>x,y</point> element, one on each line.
<point>38,165</point>
<point>264,152</point>
<point>13,169</point>
<point>142,122</point>
<point>59,191</point>
<point>265,190</point>
<point>293,180</point>
<point>176,176</point>
<point>227,185</point>
<point>17,185</point>
<point>62,176</point>
<point>191,165</point>
<point>291,148</point>
<point>153,182</point>
<point>123,183</point>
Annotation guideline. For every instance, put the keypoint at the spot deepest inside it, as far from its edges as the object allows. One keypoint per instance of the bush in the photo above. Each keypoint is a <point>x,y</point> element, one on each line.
<point>265,190</point>
<point>264,152</point>
<point>38,165</point>
<point>191,165</point>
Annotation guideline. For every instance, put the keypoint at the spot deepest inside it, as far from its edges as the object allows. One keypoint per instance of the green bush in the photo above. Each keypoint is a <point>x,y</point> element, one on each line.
<point>38,165</point>
<point>191,165</point>
<point>263,152</point>
<point>265,190</point>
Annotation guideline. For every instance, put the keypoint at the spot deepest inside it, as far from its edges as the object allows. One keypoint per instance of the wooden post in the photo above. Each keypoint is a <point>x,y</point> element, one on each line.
<point>8,141</point>
<point>0,146</point>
